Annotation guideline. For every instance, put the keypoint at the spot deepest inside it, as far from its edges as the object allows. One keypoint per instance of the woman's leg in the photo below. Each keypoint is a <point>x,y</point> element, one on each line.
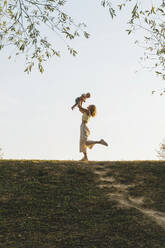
<point>91,143</point>
<point>85,158</point>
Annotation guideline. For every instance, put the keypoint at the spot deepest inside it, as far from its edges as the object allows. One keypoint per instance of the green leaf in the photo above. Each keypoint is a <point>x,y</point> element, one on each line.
<point>41,69</point>
<point>129,31</point>
<point>87,35</point>
<point>153,10</point>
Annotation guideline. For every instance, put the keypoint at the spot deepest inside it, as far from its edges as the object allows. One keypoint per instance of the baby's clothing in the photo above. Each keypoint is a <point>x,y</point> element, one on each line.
<point>78,99</point>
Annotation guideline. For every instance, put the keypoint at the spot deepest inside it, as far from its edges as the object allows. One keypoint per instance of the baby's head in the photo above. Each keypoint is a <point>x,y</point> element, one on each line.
<point>88,95</point>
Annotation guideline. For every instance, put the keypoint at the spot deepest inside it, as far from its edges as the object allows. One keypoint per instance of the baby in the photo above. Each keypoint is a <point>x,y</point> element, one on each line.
<point>81,99</point>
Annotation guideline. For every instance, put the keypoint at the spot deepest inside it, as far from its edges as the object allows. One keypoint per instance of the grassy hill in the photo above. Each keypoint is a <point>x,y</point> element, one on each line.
<point>69,204</point>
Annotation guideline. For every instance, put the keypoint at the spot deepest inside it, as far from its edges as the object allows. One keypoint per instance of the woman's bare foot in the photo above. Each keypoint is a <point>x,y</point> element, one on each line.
<point>103,142</point>
<point>84,159</point>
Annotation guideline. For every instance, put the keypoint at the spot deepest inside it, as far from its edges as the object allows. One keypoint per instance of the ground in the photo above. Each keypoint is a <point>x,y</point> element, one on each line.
<point>71,204</point>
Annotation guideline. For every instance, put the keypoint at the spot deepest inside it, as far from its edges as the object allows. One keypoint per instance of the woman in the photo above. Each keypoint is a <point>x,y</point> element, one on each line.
<point>84,131</point>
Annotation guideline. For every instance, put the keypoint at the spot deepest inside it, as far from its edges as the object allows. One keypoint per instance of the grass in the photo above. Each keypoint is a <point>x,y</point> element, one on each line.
<point>60,204</point>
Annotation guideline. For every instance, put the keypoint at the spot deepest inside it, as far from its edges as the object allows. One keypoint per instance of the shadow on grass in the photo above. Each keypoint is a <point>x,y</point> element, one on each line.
<point>144,179</point>
<point>50,204</point>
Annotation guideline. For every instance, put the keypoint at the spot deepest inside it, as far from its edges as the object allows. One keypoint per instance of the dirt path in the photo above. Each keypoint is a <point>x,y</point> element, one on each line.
<point>120,194</point>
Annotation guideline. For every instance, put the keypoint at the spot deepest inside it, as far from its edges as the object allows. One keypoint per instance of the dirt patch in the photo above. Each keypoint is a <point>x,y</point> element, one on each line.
<point>121,195</point>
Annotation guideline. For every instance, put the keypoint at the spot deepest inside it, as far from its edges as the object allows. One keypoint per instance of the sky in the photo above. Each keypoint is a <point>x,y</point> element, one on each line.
<point>35,110</point>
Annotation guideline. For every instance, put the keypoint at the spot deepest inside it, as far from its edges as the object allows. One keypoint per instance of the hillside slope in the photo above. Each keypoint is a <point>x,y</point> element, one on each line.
<point>69,204</point>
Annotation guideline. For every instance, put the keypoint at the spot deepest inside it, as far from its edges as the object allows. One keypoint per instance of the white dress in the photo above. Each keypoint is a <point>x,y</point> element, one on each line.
<point>84,133</point>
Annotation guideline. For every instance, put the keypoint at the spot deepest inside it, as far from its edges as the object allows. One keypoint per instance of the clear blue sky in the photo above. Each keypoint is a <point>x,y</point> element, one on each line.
<point>36,117</point>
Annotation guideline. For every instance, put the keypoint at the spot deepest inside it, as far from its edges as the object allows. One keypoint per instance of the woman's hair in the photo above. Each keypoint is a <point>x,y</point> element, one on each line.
<point>92,110</point>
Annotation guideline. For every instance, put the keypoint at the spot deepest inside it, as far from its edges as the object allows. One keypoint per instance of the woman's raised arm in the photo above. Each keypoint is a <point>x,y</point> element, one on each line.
<point>83,110</point>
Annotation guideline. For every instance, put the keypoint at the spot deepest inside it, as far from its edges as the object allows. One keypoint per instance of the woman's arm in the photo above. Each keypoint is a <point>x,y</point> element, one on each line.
<point>83,110</point>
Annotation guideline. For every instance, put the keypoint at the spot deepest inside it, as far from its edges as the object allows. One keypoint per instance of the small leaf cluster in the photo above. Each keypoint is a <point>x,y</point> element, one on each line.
<point>161,151</point>
<point>108,4</point>
<point>1,153</point>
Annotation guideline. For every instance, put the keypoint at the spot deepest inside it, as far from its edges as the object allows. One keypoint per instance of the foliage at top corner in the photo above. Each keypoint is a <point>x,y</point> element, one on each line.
<point>152,22</point>
<point>150,19</point>
<point>22,23</point>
